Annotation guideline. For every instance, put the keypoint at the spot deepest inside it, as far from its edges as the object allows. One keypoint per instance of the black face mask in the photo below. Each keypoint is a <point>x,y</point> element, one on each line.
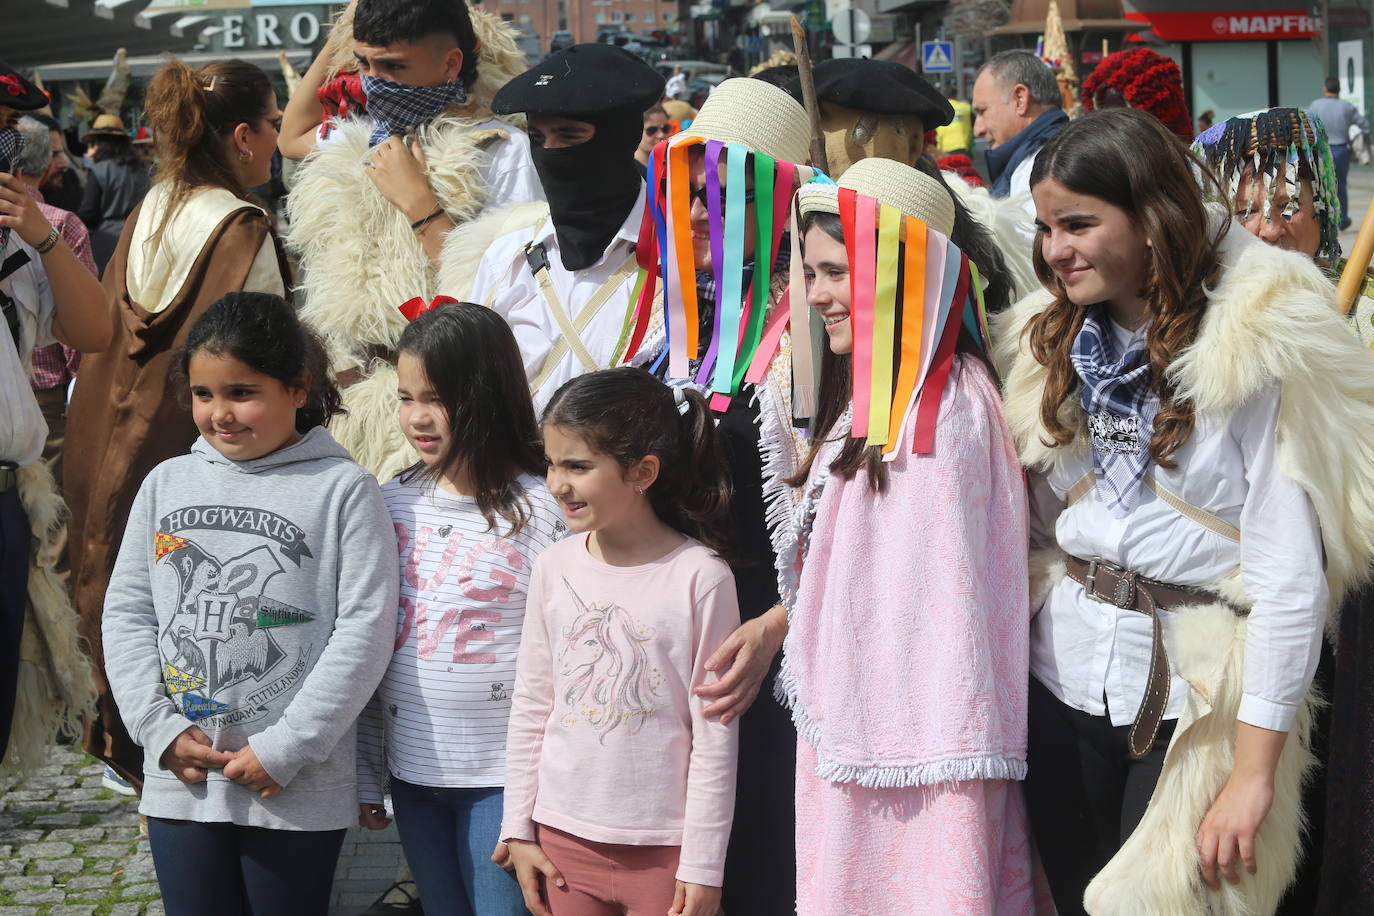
<point>591,187</point>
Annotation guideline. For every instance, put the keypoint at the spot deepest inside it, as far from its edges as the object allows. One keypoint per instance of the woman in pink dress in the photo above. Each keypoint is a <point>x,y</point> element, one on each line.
<point>905,663</point>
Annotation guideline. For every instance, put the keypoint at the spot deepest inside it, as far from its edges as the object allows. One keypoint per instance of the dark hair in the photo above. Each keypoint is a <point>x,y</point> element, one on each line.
<point>192,113</point>
<point>474,368</point>
<point>1332,84</point>
<point>656,108</point>
<point>628,414</point>
<point>385,22</point>
<point>836,387</point>
<point>117,148</point>
<point>1127,158</point>
<point>782,76</point>
<point>262,331</point>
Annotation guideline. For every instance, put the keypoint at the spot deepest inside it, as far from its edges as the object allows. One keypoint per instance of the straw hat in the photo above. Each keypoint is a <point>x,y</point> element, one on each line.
<point>106,125</point>
<point>755,114</point>
<point>914,193</point>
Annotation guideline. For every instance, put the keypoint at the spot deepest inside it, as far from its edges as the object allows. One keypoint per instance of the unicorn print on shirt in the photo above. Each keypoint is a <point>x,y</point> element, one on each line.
<point>611,682</point>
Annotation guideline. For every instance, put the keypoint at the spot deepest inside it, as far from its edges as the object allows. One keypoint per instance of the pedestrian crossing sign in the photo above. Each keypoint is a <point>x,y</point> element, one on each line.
<point>937,56</point>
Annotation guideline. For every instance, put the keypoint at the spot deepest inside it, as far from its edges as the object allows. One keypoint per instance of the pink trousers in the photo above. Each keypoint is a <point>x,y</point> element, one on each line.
<point>608,879</point>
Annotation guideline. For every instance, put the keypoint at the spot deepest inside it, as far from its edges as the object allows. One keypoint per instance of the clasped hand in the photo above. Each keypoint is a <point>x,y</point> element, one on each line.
<point>192,755</point>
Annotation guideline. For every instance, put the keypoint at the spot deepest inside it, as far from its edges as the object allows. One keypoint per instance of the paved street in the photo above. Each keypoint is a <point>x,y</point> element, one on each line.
<point>69,847</point>
<point>1361,188</point>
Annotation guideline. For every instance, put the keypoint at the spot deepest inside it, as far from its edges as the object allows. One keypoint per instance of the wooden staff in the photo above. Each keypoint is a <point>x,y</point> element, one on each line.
<point>808,88</point>
<point>1353,277</point>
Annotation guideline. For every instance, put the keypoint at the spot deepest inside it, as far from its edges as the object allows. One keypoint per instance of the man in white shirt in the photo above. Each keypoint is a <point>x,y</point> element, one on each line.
<point>44,294</point>
<point>566,283</point>
<point>371,205</point>
<point>1017,107</point>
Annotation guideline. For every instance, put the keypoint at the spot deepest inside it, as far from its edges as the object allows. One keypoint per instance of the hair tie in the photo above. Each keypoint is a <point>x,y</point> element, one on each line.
<point>414,308</point>
<point>680,395</point>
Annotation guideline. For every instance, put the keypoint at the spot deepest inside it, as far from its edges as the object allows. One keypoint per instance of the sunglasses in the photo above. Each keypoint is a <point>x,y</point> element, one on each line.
<point>654,131</point>
<point>699,194</point>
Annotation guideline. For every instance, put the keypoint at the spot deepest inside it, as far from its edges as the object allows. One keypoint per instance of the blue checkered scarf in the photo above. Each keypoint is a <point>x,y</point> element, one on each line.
<point>1121,410</point>
<point>396,108</point>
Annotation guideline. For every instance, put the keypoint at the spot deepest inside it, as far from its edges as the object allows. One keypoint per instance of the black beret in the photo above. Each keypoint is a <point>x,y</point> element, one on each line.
<point>17,92</point>
<point>586,79</point>
<point>881,86</point>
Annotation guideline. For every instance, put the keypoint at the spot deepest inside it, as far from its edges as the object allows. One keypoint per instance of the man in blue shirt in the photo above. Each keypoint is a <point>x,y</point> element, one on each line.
<point>1337,115</point>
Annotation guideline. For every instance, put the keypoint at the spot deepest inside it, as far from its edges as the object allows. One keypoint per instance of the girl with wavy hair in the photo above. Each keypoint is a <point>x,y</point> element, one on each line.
<point>1193,412</point>
<point>619,790</point>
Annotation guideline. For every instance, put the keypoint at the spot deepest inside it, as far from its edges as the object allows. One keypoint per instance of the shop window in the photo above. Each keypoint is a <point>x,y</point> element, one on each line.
<point>1230,77</point>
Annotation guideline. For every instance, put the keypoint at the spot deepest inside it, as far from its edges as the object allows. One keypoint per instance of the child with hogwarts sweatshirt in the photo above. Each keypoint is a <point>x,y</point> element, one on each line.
<point>248,620</point>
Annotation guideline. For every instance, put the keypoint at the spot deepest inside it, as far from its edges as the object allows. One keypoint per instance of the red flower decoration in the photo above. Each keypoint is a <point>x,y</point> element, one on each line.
<point>12,84</point>
<point>414,308</point>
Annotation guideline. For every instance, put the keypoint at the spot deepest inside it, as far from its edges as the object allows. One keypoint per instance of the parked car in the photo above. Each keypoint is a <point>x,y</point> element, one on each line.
<point>530,47</point>
<point>707,72</point>
<point>561,39</point>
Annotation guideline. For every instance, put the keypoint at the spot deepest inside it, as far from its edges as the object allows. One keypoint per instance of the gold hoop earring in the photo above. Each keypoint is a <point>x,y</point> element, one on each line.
<point>245,155</point>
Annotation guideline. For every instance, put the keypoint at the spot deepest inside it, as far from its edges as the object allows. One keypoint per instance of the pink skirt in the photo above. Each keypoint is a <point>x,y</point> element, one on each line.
<point>961,849</point>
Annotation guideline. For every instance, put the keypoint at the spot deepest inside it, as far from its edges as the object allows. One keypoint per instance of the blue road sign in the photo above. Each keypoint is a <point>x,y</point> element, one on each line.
<point>937,56</point>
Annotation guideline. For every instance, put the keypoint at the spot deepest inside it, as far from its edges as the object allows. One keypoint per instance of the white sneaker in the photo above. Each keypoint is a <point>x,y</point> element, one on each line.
<point>116,783</point>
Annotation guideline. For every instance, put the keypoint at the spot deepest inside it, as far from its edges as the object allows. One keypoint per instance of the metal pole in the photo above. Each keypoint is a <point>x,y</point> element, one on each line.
<point>959,67</point>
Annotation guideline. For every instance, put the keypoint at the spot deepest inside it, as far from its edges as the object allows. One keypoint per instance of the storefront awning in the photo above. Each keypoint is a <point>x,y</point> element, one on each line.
<point>36,32</point>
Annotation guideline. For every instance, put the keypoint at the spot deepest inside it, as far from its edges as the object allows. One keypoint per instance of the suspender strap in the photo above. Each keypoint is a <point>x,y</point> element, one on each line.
<point>1212,523</point>
<point>571,329</point>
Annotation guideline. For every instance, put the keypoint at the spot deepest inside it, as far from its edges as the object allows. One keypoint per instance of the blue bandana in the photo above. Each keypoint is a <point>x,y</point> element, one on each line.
<point>396,108</point>
<point>1121,410</point>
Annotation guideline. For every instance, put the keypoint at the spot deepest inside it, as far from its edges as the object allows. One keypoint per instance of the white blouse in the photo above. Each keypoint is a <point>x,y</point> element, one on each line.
<point>1095,657</point>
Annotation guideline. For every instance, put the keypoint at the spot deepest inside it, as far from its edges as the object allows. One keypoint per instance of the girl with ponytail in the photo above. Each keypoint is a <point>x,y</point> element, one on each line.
<point>196,237</point>
<point>611,764</point>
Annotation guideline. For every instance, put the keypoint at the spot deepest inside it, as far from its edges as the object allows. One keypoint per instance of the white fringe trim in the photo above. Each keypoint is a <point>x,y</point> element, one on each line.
<point>774,442</point>
<point>935,772</point>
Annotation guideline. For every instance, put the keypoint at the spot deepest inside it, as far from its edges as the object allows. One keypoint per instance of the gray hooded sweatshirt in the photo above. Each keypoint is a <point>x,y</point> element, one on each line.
<point>256,600</point>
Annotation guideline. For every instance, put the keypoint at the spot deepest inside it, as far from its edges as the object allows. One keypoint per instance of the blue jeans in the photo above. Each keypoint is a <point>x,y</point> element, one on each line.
<point>1340,158</point>
<point>448,836</point>
<point>222,869</point>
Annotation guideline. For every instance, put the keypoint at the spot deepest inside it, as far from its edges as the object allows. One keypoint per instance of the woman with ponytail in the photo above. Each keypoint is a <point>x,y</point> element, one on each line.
<point>619,791</point>
<point>196,237</point>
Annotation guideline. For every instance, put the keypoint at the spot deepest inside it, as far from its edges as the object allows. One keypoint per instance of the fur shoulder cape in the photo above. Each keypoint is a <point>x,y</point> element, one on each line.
<point>1270,318</point>
<point>466,245</point>
<point>358,255</point>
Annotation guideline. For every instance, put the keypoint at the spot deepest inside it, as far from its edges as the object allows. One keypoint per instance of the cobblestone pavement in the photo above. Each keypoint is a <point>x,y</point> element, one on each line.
<point>70,847</point>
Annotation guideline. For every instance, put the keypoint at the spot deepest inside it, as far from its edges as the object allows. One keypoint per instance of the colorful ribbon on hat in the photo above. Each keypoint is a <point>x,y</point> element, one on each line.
<point>414,308</point>
<point>912,292</point>
<point>742,329</point>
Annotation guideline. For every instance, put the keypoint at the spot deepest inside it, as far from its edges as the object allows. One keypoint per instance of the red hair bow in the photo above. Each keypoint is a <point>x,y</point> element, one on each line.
<point>416,307</point>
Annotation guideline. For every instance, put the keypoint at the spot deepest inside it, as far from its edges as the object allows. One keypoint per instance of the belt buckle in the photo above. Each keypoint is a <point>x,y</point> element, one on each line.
<point>1123,595</point>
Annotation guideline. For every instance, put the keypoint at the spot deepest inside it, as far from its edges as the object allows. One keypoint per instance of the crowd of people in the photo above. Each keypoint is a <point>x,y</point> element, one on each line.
<point>696,511</point>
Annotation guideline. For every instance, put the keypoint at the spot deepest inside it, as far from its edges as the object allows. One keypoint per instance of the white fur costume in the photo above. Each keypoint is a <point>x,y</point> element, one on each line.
<point>55,692</point>
<point>359,258</point>
<point>1270,318</point>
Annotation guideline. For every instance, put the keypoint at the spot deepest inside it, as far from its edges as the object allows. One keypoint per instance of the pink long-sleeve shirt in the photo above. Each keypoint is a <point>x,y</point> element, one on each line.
<point>607,741</point>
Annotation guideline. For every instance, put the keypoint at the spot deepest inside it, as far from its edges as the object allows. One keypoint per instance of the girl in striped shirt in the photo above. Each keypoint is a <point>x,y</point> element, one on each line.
<point>470,518</point>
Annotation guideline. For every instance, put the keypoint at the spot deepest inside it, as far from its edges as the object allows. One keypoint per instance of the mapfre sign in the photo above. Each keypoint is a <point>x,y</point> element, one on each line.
<point>1228,25</point>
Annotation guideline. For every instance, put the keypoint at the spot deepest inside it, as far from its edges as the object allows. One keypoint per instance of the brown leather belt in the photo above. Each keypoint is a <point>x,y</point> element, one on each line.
<point>1111,584</point>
